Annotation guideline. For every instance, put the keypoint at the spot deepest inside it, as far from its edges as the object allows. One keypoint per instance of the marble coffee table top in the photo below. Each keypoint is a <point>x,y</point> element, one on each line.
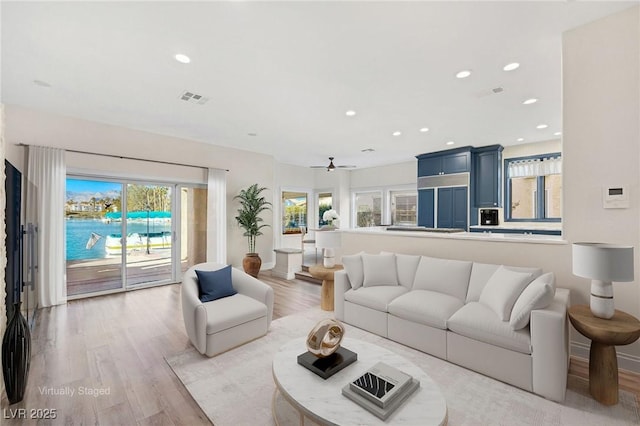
<point>322,400</point>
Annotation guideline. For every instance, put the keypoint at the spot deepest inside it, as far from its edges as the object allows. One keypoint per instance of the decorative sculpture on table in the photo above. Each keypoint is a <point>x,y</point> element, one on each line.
<point>325,337</point>
<point>325,357</point>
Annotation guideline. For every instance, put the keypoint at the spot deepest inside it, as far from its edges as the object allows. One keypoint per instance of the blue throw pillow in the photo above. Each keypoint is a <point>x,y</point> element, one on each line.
<point>214,285</point>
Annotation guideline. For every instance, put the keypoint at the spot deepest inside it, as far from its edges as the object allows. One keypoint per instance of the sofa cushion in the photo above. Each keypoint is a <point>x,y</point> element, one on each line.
<point>481,272</point>
<point>379,269</point>
<point>407,265</point>
<point>355,271</point>
<point>539,294</point>
<point>214,285</point>
<point>229,312</point>
<point>425,307</point>
<point>443,276</point>
<point>377,297</point>
<point>479,322</point>
<point>502,291</point>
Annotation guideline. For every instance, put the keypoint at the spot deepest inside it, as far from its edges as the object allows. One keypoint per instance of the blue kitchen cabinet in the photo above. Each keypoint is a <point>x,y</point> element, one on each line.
<point>426,204</point>
<point>452,207</point>
<point>444,162</point>
<point>487,172</point>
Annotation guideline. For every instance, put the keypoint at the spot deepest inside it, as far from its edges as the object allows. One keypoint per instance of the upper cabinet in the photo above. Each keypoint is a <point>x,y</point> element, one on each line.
<point>444,162</point>
<point>487,171</point>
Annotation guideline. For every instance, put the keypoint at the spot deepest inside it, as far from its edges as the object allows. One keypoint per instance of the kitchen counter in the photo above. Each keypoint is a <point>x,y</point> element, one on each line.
<point>495,236</point>
<point>535,228</point>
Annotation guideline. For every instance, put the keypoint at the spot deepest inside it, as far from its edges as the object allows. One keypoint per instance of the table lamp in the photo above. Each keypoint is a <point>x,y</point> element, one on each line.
<point>328,240</point>
<point>603,263</point>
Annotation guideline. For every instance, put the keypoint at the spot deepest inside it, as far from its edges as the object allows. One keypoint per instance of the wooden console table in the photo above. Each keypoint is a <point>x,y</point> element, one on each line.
<point>622,329</point>
<point>326,275</point>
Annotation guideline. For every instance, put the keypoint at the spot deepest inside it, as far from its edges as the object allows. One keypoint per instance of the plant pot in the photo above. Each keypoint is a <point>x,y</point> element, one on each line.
<point>16,355</point>
<point>251,264</point>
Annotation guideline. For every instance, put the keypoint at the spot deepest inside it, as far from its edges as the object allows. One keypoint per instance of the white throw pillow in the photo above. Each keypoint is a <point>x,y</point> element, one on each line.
<point>539,294</point>
<point>502,291</point>
<point>379,269</point>
<point>443,276</point>
<point>406,267</point>
<point>355,271</point>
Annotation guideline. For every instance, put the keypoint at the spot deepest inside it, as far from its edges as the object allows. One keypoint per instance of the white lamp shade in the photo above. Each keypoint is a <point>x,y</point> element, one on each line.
<point>604,262</point>
<point>328,239</point>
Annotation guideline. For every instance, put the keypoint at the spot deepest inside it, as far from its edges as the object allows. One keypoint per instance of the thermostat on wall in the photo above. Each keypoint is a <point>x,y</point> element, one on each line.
<point>615,197</point>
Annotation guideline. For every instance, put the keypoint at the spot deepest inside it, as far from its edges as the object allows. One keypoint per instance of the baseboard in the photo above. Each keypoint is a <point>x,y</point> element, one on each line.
<point>625,361</point>
<point>267,265</point>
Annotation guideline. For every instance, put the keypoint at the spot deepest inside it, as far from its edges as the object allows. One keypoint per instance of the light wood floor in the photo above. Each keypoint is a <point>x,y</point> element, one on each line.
<point>118,343</point>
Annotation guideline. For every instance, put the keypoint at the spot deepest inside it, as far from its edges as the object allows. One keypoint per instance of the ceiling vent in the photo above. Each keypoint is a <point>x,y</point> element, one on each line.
<point>193,98</point>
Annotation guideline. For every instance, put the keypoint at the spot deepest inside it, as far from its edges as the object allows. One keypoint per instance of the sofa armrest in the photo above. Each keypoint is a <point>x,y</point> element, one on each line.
<point>193,311</point>
<point>550,347</point>
<point>341,285</point>
<point>245,284</point>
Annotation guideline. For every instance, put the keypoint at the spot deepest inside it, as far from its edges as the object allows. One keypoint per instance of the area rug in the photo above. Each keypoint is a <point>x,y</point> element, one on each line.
<point>236,387</point>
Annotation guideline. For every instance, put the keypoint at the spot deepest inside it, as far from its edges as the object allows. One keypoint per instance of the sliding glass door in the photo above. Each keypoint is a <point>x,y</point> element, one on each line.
<point>122,235</point>
<point>149,234</point>
<point>93,211</point>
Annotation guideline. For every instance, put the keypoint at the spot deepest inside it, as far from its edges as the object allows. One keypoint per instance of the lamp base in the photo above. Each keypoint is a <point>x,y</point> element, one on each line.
<point>329,258</point>
<point>601,301</point>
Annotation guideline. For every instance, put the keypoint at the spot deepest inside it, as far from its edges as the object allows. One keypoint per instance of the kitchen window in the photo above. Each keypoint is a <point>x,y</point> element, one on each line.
<point>533,188</point>
<point>403,207</point>
<point>368,209</point>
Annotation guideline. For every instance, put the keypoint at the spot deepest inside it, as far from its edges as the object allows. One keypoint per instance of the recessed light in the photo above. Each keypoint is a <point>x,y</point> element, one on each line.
<point>41,83</point>
<point>530,101</point>
<point>463,74</point>
<point>367,150</point>
<point>350,113</point>
<point>424,129</point>
<point>557,134</point>
<point>397,133</point>
<point>520,139</point>
<point>450,143</point>
<point>184,59</point>
<point>252,134</point>
<point>541,126</point>
<point>512,66</point>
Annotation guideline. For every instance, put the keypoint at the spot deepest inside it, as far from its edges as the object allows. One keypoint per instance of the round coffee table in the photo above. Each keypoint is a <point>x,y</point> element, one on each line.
<point>322,401</point>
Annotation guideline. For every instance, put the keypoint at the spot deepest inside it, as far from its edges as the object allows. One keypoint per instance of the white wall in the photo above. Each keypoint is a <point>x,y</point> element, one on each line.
<point>245,168</point>
<point>394,174</point>
<point>534,148</point>
<point>601,141</point>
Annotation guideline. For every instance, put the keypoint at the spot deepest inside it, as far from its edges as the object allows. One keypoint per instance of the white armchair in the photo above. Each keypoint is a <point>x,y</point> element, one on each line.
<point>217,326</point>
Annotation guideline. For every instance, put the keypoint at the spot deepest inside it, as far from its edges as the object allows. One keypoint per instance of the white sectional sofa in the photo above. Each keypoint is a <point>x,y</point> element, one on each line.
<point>508,323</point>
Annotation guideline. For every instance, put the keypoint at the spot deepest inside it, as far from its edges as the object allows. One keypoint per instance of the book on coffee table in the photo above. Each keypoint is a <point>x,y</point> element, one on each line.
<point>381,389</point>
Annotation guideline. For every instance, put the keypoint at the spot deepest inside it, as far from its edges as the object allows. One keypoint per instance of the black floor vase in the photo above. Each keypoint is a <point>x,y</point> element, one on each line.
<point>16,356</point>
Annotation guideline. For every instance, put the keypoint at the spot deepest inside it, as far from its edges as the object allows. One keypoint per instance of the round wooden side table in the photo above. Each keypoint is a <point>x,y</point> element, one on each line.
<point>622,329</point>
<point>326,275</point>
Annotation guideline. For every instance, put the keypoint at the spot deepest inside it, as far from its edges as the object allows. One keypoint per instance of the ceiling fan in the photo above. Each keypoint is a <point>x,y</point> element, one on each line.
<point>331,167</point>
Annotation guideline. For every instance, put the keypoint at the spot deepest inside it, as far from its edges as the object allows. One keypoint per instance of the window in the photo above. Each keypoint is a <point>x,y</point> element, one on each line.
<point>294,211</point>
<point>403,208</point>
<point>125,234</point>
<point>368,209</point>
<point>325,202</point>
<point>534,188</point>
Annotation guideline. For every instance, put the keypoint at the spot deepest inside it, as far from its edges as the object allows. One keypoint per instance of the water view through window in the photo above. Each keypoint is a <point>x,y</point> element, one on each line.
<point>100,239</point>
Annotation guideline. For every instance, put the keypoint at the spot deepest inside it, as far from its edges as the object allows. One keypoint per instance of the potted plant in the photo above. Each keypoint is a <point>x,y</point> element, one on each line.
<point>252,203</point>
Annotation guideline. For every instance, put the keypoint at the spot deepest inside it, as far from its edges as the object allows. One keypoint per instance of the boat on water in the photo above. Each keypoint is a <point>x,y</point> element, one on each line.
<point>138,241</point>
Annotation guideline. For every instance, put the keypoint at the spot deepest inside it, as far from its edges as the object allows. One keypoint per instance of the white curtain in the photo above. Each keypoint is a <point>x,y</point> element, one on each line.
<point>535,167</point>
<point>217,216</point>
<point>47,173</point>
